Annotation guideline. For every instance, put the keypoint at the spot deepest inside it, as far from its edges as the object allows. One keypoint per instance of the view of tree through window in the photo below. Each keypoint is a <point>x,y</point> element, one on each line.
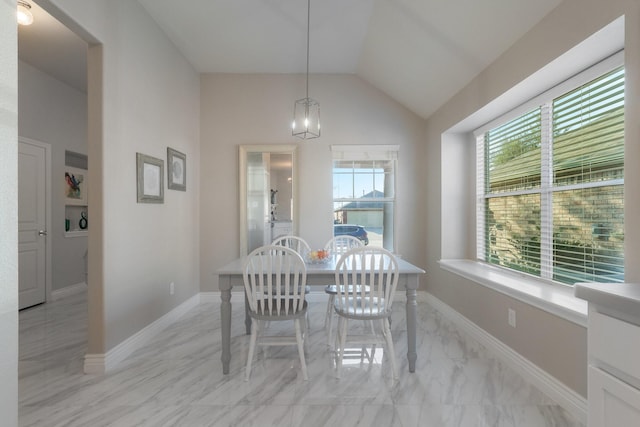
<point>551,182</point>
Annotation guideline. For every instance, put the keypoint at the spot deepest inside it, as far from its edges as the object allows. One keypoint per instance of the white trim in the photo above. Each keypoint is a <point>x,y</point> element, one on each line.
<point>364,152</point>
<point>95,364</point>
<point>571,401</point>
<point>68,290</point>
<point>556,299</point>
<point>102,363</point>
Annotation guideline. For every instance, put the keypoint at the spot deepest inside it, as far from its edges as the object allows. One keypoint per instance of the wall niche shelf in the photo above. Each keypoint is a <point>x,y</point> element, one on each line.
<point>76,233</point>
<point>76,208</point>
<point>74,214</point>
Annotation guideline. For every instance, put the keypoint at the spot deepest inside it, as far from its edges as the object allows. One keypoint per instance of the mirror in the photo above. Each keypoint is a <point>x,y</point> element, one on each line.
<point>268,194</point>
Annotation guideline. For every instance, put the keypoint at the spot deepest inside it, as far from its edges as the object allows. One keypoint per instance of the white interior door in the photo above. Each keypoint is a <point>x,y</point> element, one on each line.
<point>33,185</point>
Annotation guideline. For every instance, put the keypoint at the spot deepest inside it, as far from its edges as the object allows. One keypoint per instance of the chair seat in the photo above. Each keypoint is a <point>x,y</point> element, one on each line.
<point>332,290</point>
<point>363,308</point>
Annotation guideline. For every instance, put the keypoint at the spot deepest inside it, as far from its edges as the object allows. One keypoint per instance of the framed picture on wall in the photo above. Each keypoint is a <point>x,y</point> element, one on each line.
<point>150,177</point>
<point>75,186</point>
<point>176,170</point>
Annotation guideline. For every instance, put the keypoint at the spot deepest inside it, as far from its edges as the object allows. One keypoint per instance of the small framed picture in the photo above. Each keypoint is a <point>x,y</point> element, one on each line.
<point>150,176</point>
<point>176,170</point>
<point>75,186</point>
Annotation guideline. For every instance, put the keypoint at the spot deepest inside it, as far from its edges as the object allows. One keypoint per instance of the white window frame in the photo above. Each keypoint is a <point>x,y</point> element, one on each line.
<point>543,101</point>
<point>371,153</point>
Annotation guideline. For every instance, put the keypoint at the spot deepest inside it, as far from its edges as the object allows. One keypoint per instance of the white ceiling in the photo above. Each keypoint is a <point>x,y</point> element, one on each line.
<point>419,52</point>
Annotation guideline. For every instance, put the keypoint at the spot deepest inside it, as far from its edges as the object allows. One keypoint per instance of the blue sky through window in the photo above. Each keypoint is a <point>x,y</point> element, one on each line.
<point>356,182</point>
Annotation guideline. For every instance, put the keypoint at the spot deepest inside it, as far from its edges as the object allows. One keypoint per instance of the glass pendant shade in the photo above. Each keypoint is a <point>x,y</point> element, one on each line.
<point>24,15</point>
<point>306,119</point>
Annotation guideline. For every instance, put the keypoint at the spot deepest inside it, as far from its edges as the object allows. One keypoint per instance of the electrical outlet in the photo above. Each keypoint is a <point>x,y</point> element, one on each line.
<point>512,318</point>
<point>172,288</point>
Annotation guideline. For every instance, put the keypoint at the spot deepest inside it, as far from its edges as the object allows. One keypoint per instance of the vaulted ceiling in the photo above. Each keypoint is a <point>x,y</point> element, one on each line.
<point>419,52</point>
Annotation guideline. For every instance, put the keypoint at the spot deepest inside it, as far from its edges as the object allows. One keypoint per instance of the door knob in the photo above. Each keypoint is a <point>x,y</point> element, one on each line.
<point>42,233</point>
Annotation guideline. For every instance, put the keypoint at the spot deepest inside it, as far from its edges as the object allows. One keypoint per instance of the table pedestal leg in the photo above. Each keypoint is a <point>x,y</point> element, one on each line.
<point>412,304</point>
<point>225,320</point>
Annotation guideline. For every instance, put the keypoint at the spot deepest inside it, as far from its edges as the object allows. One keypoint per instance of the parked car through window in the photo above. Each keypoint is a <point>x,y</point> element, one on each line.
<point>351,230</point>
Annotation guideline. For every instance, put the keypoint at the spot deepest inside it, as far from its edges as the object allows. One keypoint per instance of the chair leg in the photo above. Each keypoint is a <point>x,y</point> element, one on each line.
<point>342,337</point>
<point>252,347</point>
<point>390,349</point>
<point>328,321</point>
<point>329,310</point>
<point>300,341</point>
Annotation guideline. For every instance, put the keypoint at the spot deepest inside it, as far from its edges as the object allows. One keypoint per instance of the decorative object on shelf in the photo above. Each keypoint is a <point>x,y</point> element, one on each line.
<point>176,170</point>
<point>83,223</point>
<point>150,176</point>
<point>67,224</point>
<point>75,186</point>
<point>306,111</point>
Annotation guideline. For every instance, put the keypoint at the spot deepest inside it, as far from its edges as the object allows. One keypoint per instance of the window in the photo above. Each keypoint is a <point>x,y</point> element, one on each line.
<point>364,192</point>
<point>550,184</point>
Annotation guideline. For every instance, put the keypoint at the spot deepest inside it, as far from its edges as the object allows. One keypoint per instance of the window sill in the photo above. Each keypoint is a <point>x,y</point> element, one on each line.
<point>558,300</point>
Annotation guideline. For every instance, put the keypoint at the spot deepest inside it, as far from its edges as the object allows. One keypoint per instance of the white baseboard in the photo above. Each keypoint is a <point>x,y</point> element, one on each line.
<point>571,401</point>
<point>101,363</point>
<point>95,364</point>
<point>68,290</point>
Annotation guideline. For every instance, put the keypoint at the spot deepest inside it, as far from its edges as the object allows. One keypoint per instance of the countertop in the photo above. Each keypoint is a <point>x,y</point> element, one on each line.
<point>617,298</point>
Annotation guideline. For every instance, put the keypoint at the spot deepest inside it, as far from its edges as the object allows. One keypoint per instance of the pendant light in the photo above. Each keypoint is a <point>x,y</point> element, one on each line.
<point>306,111</point>
<point>25,17</point>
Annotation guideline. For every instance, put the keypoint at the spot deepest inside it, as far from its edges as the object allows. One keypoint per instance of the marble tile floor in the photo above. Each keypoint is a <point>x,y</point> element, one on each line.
<point>176,379</point>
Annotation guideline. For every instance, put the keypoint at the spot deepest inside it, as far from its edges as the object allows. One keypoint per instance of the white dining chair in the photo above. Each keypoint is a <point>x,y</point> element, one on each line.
<point>336,246</point>
<point>274,280</point>
<point>377,269</point>
<point>296,243</point>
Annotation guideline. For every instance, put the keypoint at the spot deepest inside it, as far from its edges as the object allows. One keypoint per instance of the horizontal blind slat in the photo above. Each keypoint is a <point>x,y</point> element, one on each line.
<point>586,161</point>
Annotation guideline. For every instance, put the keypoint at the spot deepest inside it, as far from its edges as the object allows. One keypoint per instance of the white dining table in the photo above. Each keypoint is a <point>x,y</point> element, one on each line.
<point>318,275</point>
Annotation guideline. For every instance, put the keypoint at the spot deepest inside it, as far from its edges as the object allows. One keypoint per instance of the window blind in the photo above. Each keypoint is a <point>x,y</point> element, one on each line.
<point>550,199</point>
<point>588,159</point>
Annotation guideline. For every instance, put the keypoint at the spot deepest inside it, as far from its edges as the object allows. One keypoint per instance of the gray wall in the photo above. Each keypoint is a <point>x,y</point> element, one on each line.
<point>556,345</point>
<point>55,113</point>
<point>142,96</point>
<point>353,112</point>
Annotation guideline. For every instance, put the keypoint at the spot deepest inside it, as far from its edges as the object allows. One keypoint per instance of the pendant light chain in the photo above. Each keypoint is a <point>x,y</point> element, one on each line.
<point>308,26</point>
